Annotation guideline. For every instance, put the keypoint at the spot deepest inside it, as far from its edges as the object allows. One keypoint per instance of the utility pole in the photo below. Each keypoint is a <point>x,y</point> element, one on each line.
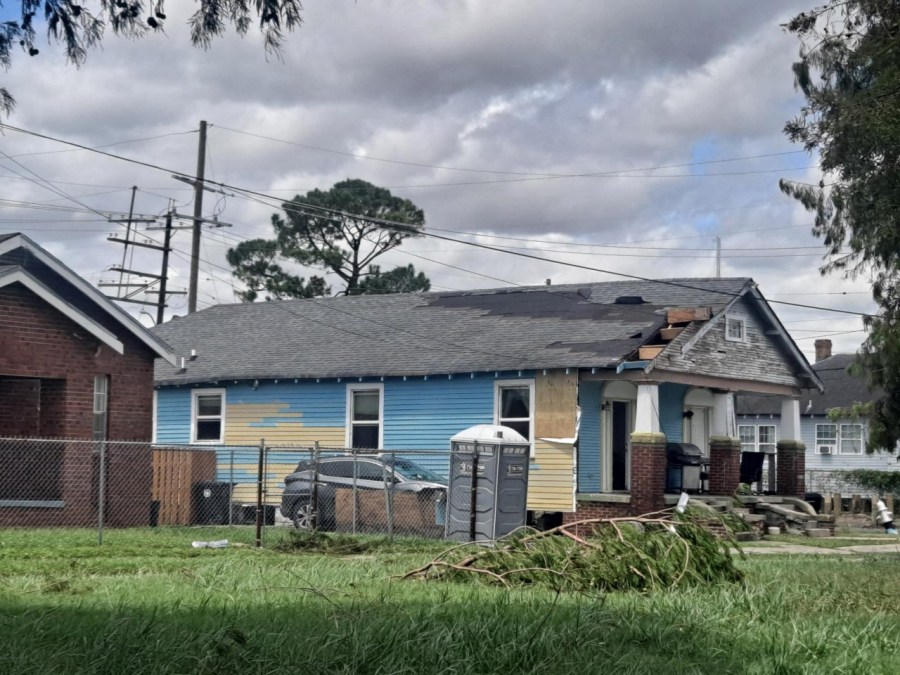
<point>198,219</point>
<point>161,301</point>
<point>718,257</point>
<point>127,239</point>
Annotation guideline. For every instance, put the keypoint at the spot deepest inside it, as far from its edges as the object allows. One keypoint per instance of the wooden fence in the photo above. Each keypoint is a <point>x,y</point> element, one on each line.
<point>174,474</point>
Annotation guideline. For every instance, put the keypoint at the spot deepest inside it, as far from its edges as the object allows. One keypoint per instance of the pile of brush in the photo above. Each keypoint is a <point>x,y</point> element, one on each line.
<point>656,551</point>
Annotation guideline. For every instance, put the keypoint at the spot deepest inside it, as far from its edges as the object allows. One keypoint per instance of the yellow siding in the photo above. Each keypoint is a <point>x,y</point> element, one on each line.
<point>246,423</point>
<point>551,486</point>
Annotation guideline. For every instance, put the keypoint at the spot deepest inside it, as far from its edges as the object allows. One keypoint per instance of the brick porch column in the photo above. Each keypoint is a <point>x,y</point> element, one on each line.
<point>724,464</point>
<point>791,472</point>
<point>648,471</point>
<point>791,468</point>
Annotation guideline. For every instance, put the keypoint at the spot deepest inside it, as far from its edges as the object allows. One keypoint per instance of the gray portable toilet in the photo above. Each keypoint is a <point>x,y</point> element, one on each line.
<point>488,483</point>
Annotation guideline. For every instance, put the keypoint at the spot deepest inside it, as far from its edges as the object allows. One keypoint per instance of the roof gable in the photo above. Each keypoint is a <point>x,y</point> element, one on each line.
<point>70,290</point>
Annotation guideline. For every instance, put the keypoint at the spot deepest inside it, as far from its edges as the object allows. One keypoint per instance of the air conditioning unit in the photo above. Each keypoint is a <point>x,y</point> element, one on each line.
<point>825,449</point>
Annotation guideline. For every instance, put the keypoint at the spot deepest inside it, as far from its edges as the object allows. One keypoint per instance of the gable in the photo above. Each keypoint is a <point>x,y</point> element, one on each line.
<point>18,251</point>
<point>761,356</point>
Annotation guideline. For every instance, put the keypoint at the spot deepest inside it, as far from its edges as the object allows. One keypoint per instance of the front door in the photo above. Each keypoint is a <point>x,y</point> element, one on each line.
<point>620,438</point>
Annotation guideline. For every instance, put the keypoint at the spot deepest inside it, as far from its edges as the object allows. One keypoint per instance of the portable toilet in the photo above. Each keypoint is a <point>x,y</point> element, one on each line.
<point>488,483</point>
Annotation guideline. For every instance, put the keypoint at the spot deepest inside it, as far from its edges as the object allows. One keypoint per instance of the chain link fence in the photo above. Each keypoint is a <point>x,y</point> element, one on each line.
<point>112,484</point>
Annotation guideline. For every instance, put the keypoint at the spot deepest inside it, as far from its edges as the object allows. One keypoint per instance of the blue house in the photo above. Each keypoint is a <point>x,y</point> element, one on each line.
<point>597,376</point>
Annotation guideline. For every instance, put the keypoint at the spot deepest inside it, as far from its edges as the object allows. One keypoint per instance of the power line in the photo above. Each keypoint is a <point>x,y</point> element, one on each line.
<point>542,175</point>
<point>403,227</point>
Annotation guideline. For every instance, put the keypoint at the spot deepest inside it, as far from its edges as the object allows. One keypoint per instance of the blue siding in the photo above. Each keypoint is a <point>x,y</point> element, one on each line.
<point>589,399</point>
<point>425,414</point>
<point>173,415</point>
<point>671,407</point>
<point>419,414</point>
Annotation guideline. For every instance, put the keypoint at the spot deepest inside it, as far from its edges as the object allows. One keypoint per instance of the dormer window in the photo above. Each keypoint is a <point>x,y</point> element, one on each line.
<point>735,329</point>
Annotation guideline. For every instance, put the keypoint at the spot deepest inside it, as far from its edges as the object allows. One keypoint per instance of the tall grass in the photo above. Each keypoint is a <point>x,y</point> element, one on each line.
<point>146,602</point>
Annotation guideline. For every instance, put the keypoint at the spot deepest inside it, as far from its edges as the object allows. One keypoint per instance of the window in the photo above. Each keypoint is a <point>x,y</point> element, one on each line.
<point>846,439</point>
<point>207,415</point>
<point>101,408</point>
<point>851,439</point>
<point>748,438</point>
<point>514,406</point>
<point>761,438</point>
<point>364,416</point>
<point>735,329</point>
<point>826,439</point>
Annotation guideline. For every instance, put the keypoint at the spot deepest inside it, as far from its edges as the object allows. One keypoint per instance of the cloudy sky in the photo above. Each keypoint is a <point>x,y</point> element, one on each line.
<point>622,135</point>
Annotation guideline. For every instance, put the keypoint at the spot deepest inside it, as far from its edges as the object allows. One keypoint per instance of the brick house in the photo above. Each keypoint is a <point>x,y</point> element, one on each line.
<point>75,366</point>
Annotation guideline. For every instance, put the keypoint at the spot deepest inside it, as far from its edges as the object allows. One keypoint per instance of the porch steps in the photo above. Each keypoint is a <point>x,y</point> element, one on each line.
<point>789,514</point>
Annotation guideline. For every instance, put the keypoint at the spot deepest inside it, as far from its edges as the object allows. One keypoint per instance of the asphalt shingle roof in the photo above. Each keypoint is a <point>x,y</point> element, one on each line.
<point>431,333</point>
<point>842,390</point>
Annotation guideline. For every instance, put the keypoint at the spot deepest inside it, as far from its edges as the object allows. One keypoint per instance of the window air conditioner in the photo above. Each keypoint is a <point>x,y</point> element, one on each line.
<point>824,449</point>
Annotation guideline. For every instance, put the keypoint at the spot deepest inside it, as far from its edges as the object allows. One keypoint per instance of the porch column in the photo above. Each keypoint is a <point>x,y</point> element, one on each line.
<point>646,416</point>
<point>648,453</point>
<point>791,473</point>
<point>724,447</point>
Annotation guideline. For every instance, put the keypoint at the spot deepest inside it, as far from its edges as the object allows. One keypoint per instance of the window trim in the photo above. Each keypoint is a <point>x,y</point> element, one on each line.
<point>101,396</point>
<point>195,393</point>
<point>499,386</point>
<point>729,321</point>
<point>756,442</point>
<point>835,446</point>
<point>348,414</point>
<point>861,439</point>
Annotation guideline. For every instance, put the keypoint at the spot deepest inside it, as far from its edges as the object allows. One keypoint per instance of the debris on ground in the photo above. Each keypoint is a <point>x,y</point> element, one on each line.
<point>643,553</point>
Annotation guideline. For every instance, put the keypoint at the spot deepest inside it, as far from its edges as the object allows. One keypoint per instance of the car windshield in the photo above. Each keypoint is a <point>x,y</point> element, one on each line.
<point>412,471</point>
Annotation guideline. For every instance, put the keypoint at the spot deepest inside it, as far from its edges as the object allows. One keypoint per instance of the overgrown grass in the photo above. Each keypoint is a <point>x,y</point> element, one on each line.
<point>145,602</point>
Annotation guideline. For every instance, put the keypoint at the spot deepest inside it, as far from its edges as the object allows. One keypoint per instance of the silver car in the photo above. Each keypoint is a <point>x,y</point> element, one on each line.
<point>309,492</point>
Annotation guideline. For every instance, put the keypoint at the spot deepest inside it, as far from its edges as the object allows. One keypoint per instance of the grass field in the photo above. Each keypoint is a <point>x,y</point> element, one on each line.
<point>146,602</point>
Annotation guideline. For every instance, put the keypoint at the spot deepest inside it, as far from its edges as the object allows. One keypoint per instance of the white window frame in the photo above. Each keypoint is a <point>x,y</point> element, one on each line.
<point>499,386</point>
<point>100,407</point>
<point>756,440</point>
<point>834,443</point>
<point>735,321</point>
<point>841,439</point>
<point>348,416</point>
<point>195,393</point>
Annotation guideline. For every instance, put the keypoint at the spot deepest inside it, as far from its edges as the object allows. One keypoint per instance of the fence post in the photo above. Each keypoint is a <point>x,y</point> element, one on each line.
<point>231,487</point>
<point>101,489</point>
<point>387,502</point>
<point>315,488</point>
<point>259,493</point>
<point>355,477</point>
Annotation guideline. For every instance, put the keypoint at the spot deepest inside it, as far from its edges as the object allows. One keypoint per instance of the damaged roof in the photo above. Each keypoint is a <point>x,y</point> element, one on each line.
<point>568,326</point>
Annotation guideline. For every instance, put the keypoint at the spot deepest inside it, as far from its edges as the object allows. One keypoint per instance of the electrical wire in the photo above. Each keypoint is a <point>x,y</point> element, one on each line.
<point>261,197</point>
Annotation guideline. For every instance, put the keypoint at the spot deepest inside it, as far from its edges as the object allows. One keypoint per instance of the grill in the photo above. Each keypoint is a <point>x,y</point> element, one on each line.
<point>685,468</point>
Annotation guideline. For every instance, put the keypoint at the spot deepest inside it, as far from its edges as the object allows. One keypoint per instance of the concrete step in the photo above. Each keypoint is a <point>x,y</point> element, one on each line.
<point>818,532</point>
<point>753,518</point>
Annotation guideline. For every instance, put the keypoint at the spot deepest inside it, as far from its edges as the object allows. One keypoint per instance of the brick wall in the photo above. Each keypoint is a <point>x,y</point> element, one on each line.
<point>36,341</point>
<point>791,478</point>
<point>41,344</point>
<point>648,472</point>
<point>724,465</point>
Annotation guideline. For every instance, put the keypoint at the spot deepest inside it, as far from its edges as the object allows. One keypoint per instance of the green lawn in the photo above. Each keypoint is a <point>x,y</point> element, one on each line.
<point>146,602</point>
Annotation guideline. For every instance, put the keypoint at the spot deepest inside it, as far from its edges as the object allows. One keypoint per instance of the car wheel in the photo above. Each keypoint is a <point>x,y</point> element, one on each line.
<point>304,517</point>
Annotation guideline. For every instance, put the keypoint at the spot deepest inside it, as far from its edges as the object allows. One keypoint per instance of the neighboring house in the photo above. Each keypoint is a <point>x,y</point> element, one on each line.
<point>73,365</point>
<point>832,443</point>
<point>597,376</point>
